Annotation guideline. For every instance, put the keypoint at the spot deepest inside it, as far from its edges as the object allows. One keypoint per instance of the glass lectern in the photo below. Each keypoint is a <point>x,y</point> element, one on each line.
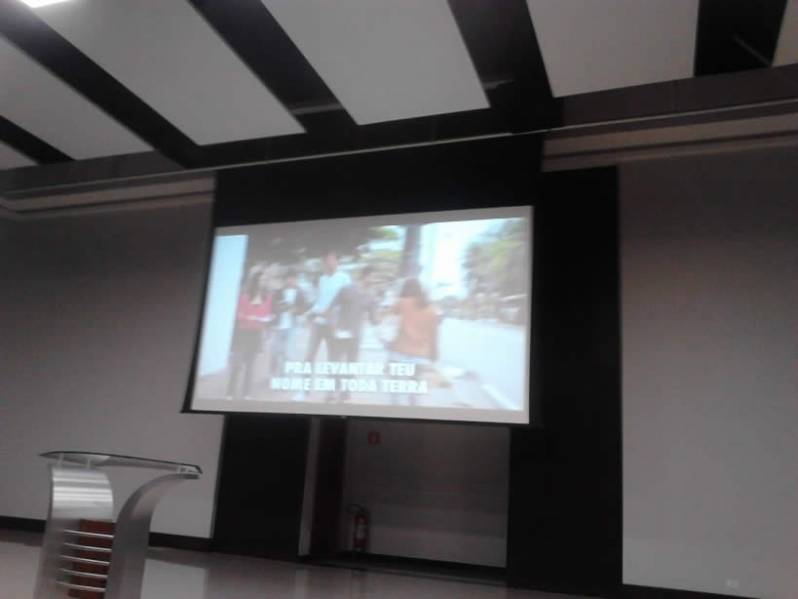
<point>84,552</point>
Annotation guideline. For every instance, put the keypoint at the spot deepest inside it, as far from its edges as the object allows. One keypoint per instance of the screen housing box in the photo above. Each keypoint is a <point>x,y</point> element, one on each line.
<point>481,174</point>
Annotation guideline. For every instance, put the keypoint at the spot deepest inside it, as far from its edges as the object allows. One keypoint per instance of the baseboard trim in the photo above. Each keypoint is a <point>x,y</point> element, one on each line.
<point>23,524</point>
<point>412,566</point>
<point>631,591</point>
<point>188,543</point>
<point>157,539</point>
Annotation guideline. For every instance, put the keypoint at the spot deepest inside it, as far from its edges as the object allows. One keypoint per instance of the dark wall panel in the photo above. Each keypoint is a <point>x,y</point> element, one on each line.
<point>452,176</point>
<point>261,485</point>
<point>565,478</point>
<point>327,502</point>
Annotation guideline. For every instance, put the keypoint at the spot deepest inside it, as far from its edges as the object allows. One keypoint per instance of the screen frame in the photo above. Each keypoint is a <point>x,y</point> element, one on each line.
<point>463,415</point>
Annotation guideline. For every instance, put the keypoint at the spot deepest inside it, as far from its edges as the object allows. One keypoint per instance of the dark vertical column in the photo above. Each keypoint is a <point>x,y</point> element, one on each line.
<point>565,477</point>
<point>327,508</point>
<point>261,485</point>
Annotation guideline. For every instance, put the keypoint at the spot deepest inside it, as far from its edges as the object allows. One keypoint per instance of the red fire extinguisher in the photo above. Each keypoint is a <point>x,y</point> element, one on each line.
<point>360,527</point>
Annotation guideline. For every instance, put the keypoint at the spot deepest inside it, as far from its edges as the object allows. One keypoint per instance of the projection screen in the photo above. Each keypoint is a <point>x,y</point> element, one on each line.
<point>423,315</point>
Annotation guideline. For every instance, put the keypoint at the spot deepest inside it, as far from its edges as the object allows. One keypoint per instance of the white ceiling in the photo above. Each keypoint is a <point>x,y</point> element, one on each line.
<point>593,45</point>
<point>10,158</point>
<point>787,48</point>
<point>385,59</point>
<point>165,53</point>
<point>39,102</point>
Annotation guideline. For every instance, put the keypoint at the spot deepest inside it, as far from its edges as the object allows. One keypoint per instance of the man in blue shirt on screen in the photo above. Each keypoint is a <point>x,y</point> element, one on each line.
<point>320,315</point>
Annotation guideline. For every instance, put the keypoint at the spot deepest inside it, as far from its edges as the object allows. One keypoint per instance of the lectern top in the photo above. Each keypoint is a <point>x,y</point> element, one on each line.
<point>97,460</point>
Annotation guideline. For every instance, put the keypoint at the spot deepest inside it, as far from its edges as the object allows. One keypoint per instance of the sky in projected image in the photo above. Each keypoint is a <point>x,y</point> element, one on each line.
<point>407,316</point>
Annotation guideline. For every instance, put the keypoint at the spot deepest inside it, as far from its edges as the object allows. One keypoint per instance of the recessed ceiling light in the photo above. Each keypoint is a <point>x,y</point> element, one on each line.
<point>39,3</point>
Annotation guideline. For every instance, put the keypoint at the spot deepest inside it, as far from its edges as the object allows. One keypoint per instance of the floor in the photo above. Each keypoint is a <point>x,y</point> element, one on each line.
<point>191,575</point>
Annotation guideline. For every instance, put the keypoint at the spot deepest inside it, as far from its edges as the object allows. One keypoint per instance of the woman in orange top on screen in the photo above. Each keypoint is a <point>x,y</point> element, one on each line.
<point>417,338</point>
<point>254,311</point>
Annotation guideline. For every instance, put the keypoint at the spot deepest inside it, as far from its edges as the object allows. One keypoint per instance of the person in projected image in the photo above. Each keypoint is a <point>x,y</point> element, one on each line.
<point>254,312</point>
<point>320,314</point>
<point>416,339</point>
<point>353,303</point>
<point>289,302</point>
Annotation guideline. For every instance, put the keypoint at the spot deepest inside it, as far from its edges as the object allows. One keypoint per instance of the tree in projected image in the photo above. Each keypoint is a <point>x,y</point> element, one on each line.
<point>493,264</point>
<point>313,240</point>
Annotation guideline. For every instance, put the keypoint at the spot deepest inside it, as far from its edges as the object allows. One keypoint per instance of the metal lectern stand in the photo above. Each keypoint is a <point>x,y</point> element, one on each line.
<point>86,554</point>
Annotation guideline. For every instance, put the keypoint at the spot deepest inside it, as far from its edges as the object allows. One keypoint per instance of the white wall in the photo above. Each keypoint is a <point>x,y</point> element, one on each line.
<point>434,491</point>
<point>710,373</point>
<point>98,314</point>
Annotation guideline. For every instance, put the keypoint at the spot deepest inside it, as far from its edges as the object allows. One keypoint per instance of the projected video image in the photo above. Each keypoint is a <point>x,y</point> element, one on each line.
<point>420,315</point>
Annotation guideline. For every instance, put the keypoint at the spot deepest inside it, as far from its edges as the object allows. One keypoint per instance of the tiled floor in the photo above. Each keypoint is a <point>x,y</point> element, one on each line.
<point>176,574</point>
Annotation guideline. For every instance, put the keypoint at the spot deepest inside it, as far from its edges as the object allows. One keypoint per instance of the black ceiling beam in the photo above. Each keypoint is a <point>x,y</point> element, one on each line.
<point>28,144</point>
<point>503,46</point>
<point>737,35</point>
<point>413,131</point>
<point>29,33</point>
<point>251,31</point>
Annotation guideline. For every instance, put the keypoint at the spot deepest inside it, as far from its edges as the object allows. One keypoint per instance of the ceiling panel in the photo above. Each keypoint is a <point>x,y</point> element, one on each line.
<point>787,48</point>
<point>164,52</point>
<point>10,158</point>
<point>592,45</point>
<point>385,59</point>
<point>36,100</point>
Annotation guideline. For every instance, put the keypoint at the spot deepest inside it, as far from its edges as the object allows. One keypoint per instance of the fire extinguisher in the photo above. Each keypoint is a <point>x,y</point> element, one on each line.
<point>360,527</point>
